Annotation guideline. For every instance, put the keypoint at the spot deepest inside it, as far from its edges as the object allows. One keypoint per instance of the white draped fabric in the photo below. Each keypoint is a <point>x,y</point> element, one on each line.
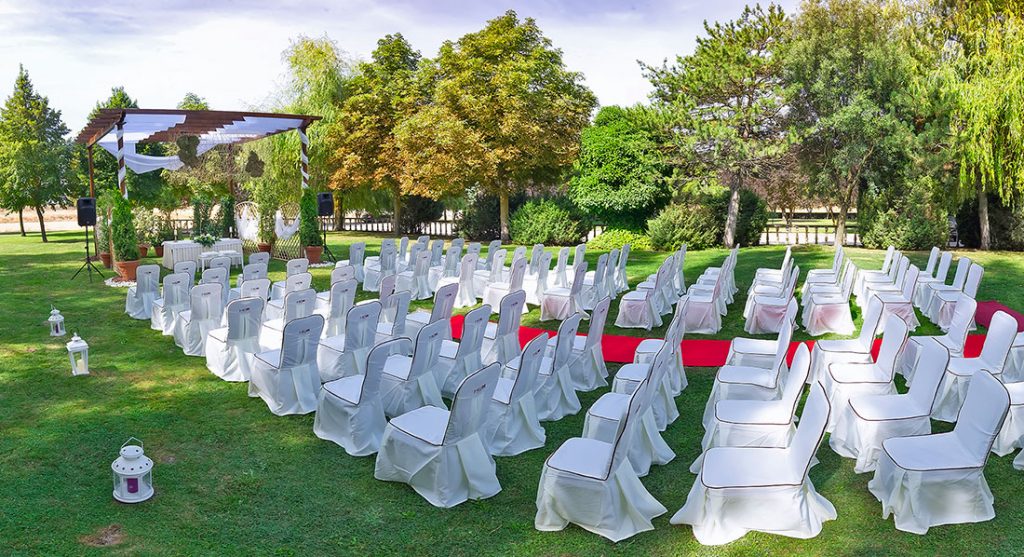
<point>827,352</point>
<point>958,377</point>
<point>174,299</point>
<point>229,350</point>
<point>458,359</point>
<point>555,393</point>
<point>138,304</point>
<point>512,426</point>
<point>345,355</point>
<point>408,381</point>
<point>501,341</point>
<point>301,303</point>
<point>287,378</point>
<point>191,326</point>
<point>247,223</point>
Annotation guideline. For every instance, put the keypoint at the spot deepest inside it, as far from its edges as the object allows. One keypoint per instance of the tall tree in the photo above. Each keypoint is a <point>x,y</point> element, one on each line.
<point>511,112</point>
<point>35,158</point>
<point>728,103</point>
<point>192,101</point>
<point>848,72</point>
<point>981,74</point>
<point>384,93</point>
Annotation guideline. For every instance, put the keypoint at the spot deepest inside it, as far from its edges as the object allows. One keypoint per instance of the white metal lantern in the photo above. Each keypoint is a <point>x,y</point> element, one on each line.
<point>133,473</point>
<point>78,355</point>
<point>56,322</point>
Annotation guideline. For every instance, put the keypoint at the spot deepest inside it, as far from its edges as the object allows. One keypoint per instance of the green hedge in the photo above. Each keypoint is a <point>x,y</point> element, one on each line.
<point>122,231</point>
<point>546,221</point>
<point>698,221</point>
<point>479,219</point>
<point>309,222</point>
<point>616,237</point>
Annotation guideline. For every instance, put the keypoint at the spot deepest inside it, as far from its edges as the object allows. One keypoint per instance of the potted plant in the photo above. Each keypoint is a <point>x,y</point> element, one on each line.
<point>309,231</point>
<point>205,239</point>
<point>147,226</point>
<point>164,233</point>
<point>103,239</point>
<point>265,233</point>
<point>125,239</point>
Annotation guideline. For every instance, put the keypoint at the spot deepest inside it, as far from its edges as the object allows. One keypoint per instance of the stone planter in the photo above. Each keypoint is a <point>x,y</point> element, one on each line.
<point>126,269</point>
<point>313,253</point>
<point>105,258</point>
<point>143,250</point>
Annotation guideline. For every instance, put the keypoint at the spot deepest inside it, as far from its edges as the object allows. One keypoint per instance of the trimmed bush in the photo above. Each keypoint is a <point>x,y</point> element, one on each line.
<point>615,238</point>
<point>309,223</point>
<point>416,211</point>
<point>699,221</point>
<point>122,231</point>
<point>903,216</point>
<point>227,215</point>
<point>753,218</point>
<point>1006,225</point>
<point>546,221</point>
<point>479,219</point>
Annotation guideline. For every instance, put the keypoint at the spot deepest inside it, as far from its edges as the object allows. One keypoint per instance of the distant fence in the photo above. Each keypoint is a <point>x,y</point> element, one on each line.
<point>782,234</point>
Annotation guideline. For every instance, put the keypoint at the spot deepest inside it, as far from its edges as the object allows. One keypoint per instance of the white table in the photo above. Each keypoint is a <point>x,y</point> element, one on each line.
<point>188,250</point>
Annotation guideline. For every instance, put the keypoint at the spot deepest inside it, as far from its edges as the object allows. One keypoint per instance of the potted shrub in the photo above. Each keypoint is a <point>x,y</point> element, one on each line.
<point>103,239</point>
<point>147,226</point>
<point>309,231</point>
<point>125,239</point>
<point>265,233</point>
<point>164,233</point>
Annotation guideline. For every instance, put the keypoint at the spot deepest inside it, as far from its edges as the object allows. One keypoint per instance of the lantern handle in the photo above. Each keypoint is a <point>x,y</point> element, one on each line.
<point>141,444</point>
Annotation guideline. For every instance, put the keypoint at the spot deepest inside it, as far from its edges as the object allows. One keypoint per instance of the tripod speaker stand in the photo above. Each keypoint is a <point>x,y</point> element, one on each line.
<point>88,266</point>
<point>327,251</point>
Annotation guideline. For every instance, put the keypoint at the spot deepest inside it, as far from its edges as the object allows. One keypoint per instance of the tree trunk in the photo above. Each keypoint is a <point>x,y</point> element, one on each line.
<point>42,225</point>
<point>339,214</point>
<point>983,219</point>
<point>396,212</point>
<point>503,215</point>
<point>844,207</point>
<point>733,214</point>
<point>21,220</point>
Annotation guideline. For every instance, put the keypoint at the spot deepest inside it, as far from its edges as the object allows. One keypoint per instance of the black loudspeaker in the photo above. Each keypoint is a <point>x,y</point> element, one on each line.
<point>324,204</point>
<point>86,211</point>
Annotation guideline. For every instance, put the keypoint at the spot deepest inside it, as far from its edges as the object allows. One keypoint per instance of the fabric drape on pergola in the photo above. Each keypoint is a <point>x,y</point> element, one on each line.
<point>119,131</point>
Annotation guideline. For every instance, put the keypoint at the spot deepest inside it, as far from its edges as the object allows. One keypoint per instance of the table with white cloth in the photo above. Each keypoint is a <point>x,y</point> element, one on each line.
<point>188,250</point>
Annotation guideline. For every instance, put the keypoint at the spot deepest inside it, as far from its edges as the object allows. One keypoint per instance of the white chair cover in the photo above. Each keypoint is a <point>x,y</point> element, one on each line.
<point>641,308</point>
<point>676,380</point>
<point>481,278</point>
<point>954,340</point>
<point>356,255</point>
<point>377,267</point>
<point>188,267</point>
<point>767,314</point>
<point>191,326</point>
<point>256,288</point>
<point>944,303</point>
<point>293,267</point>
<point>588,369</point>
<point>444,304</point>
<point>219,276</point>
<point>138,304</point>
<point>441,454</point>
<point>901,302</point>
<point>827,311</point>
<point>173,300</point>
<point>495,291</point>
<point>259,257</point>
<point>294,283</point>
<point>590,483</point>
<point>535,254</point>
<point>994,353</point>
<point>396,309</point>
<point>762,489</point>
<point>560,280</point>
<point>963,265</point>
<point>345,355</point>
<point>408,381</point>
<point>252,271</point>
<point>621,280</point>
<point>757,352</point>
<point>536,284</point>
<point>594,287</point>
<point>928,277</point>
<point>866,274</point>
<point>465,296</point>
<point>554,393</point>
<point>416,281</point>
<point>577,258</point>
<point>866,421</point>
<point>561,302</point>
<point>936,479</point>
<point>484,263</point>
<point>459,359</point>
<point>229,350</point>
<point>449,268</point>
<point>512,426</point>
<point>827,352</point>
<point>501,341</point>
<point>287,378</point>
<point>473,249</point>
<point>300,303</point>
<point>349,410</point>
<point>221,262</point>
<point>436,252</point>
<point>340,300</point>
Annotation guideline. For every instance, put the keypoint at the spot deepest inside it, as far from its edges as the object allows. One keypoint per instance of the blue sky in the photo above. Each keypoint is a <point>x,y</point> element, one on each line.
<point>229,51</point>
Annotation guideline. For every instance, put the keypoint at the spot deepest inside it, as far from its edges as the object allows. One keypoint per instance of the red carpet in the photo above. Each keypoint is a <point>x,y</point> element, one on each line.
<point>696,352</point>
<point>988,308</point>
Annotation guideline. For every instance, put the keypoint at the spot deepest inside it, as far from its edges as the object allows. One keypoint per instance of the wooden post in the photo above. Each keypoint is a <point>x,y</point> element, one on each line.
<point>122,172</point>
<point>92,185</point>
<point>304,155</point>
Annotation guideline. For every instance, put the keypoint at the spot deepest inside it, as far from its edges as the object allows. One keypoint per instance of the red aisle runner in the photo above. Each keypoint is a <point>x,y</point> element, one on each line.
<point>696,352</point>
<point>988,308</point>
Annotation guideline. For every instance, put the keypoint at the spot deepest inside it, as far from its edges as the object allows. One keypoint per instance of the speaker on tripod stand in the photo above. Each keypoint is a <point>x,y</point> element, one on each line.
<point>86,208</point>
<point>325,208</point>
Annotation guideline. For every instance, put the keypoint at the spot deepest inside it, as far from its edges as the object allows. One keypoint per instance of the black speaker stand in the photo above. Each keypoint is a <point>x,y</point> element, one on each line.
<point>88,265</point>
<point>327,251</point>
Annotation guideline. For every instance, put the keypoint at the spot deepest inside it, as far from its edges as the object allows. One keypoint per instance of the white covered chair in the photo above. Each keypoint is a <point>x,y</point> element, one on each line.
<point>377,267</point>
<point>392,316</point>
<point>501,340</point>
<point>930,290</point>
<point>932,275</point>
<point>349,410</point>
<point>866,421</point>
<point>743,489</point>
<point>944,303</point>
<point>512,426</point>
<point>844,380</point>
<point>758,423</point>
<point>345,355</point>
<point>294,283</point>
<point>578,257</point>
<point>954,340</point>
<point>206,309</point>
<point>901,302</point>
<point>256,288</point>
<point>218,276</point>
<point>444,304</point>
<point>338,274</point>
<point>259,257</point>
<point>340,300</point>
<point>458,359</point>
<point>189,268</point>
<point>481,278</point>
<point>535,254</point>
<point>647,447</point>
<point>555,393</point>
<point>767,313</point>
<point>252,271</point>
<point>559,278</point>
<point>594,286</point>
<point>474,249</point>
<point>448,268</point>
<point>702,309</point>
<point>441,453</point>
<point>292,267</point>
<point>138,304</point>
<point>957,379</point>
<point>536,284</point>
<point>642,308</point>
<point>230,349</point>
<point>415,280</point>
<point>173,300</point>
<point>465,297</point>
<point>286,378</point>
<point>408,380</point>
<point>830,276</point>
<point>300,303</point>
<point>621,280</point>
<point>1011,435</point>
<point>930,480</point>
<point>588,368</point>
<point>495,291</point>
<point>649,347</point>
<point>826,311</point>
<point>663,292</point>
<point>826,352</point>
<point>356,254</point>
<point>883,273</point>
<point>758,352</point>
<point>437,253</point>
<point>591,483</point>
<point>484,263</point>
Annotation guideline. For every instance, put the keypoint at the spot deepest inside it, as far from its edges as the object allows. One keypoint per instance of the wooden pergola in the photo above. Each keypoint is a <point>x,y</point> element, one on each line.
<point>118,130</point>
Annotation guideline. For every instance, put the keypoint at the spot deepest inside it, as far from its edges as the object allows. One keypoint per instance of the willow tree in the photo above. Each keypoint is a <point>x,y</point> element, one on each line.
<point>384,93</point>
<point>983,76</point>
<point>727,101</point>
<point>508,111</point>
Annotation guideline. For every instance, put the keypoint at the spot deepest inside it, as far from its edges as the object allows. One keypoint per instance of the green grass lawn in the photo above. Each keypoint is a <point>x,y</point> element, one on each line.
<point>233,479</point>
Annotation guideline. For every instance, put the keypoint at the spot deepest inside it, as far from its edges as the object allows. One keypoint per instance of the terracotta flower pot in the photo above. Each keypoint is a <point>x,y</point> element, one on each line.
<point>264,247</point>
<point>105,258</point>
<point>313,253</point>
<point>126,269</point>
<point>143,250</point>
<point>159,250</point>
